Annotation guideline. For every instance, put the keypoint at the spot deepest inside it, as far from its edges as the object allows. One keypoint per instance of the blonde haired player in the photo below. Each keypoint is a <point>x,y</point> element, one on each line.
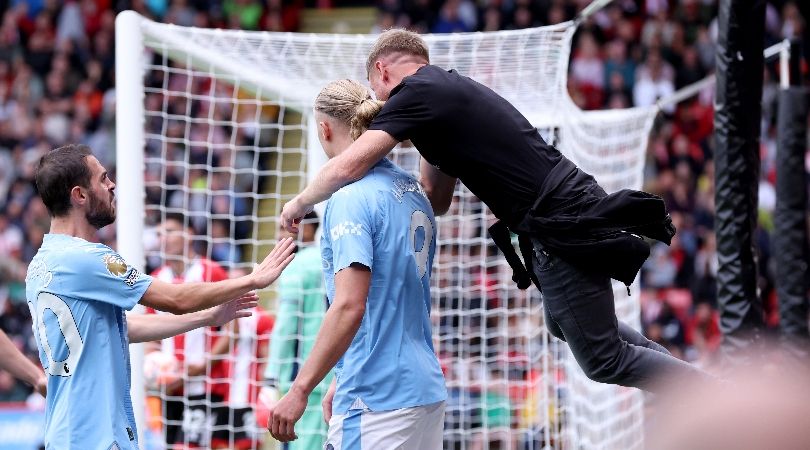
<point>377,247</point>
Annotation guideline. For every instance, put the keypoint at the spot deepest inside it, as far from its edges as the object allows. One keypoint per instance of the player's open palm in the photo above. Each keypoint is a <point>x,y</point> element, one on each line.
<point>234,309</point>
<point>269,270</point>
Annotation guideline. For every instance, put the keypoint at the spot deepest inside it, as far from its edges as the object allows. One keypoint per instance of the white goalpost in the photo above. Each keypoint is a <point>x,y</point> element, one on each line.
<point>216,125</point>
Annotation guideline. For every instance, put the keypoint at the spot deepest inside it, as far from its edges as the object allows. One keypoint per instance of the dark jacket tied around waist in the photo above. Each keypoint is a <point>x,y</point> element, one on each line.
<point>577,221</point>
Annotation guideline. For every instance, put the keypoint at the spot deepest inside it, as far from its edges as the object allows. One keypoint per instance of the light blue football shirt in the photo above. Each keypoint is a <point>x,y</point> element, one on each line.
<point>385,222</point>
<point>77,292</point>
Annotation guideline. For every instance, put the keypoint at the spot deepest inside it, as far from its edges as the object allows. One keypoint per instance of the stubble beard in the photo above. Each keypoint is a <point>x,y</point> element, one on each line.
<point>101,213</point>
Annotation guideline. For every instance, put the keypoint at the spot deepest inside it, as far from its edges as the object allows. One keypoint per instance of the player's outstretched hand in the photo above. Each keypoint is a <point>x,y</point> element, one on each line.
<point>292,214</point>
<point>268,271</point>
<point>234,309</point>
<point>284,415</point>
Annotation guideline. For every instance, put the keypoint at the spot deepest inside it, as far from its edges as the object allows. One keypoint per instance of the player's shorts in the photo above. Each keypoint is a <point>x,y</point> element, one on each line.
<point>191,420</point>
<point>417,428</point>
<point>236,429</point>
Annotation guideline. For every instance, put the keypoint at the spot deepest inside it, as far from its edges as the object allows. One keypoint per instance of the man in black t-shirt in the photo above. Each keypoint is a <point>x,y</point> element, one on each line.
<point>581,237</point>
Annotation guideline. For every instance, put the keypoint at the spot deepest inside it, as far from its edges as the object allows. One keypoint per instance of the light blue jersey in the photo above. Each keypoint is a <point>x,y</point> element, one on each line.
<point>77,292</point>
<point>384,221</point>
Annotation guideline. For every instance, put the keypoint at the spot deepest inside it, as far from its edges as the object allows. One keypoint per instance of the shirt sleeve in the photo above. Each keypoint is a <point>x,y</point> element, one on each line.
<point>402,114</point>
<point>215,272</point>
<point>349,222</point>
<point>102,275</point>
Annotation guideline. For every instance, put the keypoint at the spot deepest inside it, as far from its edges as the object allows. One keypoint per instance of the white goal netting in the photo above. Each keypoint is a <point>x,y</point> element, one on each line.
<point>228,140</point>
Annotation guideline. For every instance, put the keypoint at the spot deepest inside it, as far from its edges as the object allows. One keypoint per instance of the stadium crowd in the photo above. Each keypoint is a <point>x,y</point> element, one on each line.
<point>57,86</point>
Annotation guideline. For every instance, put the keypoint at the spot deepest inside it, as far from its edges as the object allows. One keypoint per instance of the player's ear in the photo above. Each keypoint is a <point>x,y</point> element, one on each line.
<point>77,195</point>
<point>326,130</point>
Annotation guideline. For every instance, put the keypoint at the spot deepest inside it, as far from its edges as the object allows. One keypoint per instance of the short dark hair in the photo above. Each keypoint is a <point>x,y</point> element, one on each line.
<point>58,172</point>
<point>312,219</point>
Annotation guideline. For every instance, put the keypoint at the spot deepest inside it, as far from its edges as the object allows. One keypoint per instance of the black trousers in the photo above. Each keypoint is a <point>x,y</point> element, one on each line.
<point>579,309</point>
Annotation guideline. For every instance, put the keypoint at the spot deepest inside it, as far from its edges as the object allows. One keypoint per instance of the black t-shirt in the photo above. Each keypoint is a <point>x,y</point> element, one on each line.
<point>469,132</point>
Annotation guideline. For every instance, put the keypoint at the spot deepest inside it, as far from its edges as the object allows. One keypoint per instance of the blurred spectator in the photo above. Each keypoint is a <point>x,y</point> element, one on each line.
<point>654,81</point>
<point>792,21</point>
<point>242,14</point>
<point>223,250</point>
<point>689,71</point>
<point>588,70</point>
<point>450,20</point>
<point>618,65</point>
<point>180,13</point>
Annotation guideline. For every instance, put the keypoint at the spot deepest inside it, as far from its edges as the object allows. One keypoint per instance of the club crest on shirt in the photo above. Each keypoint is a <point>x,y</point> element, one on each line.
<point>115,264</point>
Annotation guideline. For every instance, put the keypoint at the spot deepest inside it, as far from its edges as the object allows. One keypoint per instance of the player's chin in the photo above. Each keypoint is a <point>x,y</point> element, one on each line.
<point>111,215</point>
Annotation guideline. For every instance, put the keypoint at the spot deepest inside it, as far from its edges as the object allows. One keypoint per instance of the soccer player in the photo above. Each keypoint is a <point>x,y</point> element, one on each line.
<point>377,247</point>
<point>191,405</point>
<point>19,366</point>
<point>302,305</point>
<point>78,289</point>
<point>581,237</point>
<point>236,426</point>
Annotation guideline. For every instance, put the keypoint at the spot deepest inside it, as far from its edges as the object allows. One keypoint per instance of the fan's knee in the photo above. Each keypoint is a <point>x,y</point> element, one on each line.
<point>605,369</point>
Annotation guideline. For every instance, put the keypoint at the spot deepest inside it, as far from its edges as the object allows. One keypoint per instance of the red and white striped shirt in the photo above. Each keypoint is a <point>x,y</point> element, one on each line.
<point>250,353</point>
<point>194,347</point>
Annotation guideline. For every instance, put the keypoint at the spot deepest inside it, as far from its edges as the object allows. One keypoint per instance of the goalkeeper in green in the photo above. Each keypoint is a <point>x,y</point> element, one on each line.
<point>301,307</point>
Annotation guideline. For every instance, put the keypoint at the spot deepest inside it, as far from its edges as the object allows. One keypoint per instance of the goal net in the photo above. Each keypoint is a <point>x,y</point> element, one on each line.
<point>216,125</point>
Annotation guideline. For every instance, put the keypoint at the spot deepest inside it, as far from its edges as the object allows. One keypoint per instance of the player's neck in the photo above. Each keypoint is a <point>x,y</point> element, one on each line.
<point>73,225</point>
<point>178,266</point>
<point>342,142</point>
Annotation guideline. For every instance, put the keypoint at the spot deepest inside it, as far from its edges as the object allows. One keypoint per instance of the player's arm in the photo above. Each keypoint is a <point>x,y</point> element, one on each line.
<point>349,166</point>
<point>340,324</point>
<point>20,367</point>
<point>339,327</point>
<point>190,297</point>
<point>154,327</point>
<point>438,186</point>
<point>262,351</point>
<point>283,340</point>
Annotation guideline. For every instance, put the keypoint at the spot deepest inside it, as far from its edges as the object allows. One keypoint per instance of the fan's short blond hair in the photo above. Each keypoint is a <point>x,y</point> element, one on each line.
<point>397,40</point>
